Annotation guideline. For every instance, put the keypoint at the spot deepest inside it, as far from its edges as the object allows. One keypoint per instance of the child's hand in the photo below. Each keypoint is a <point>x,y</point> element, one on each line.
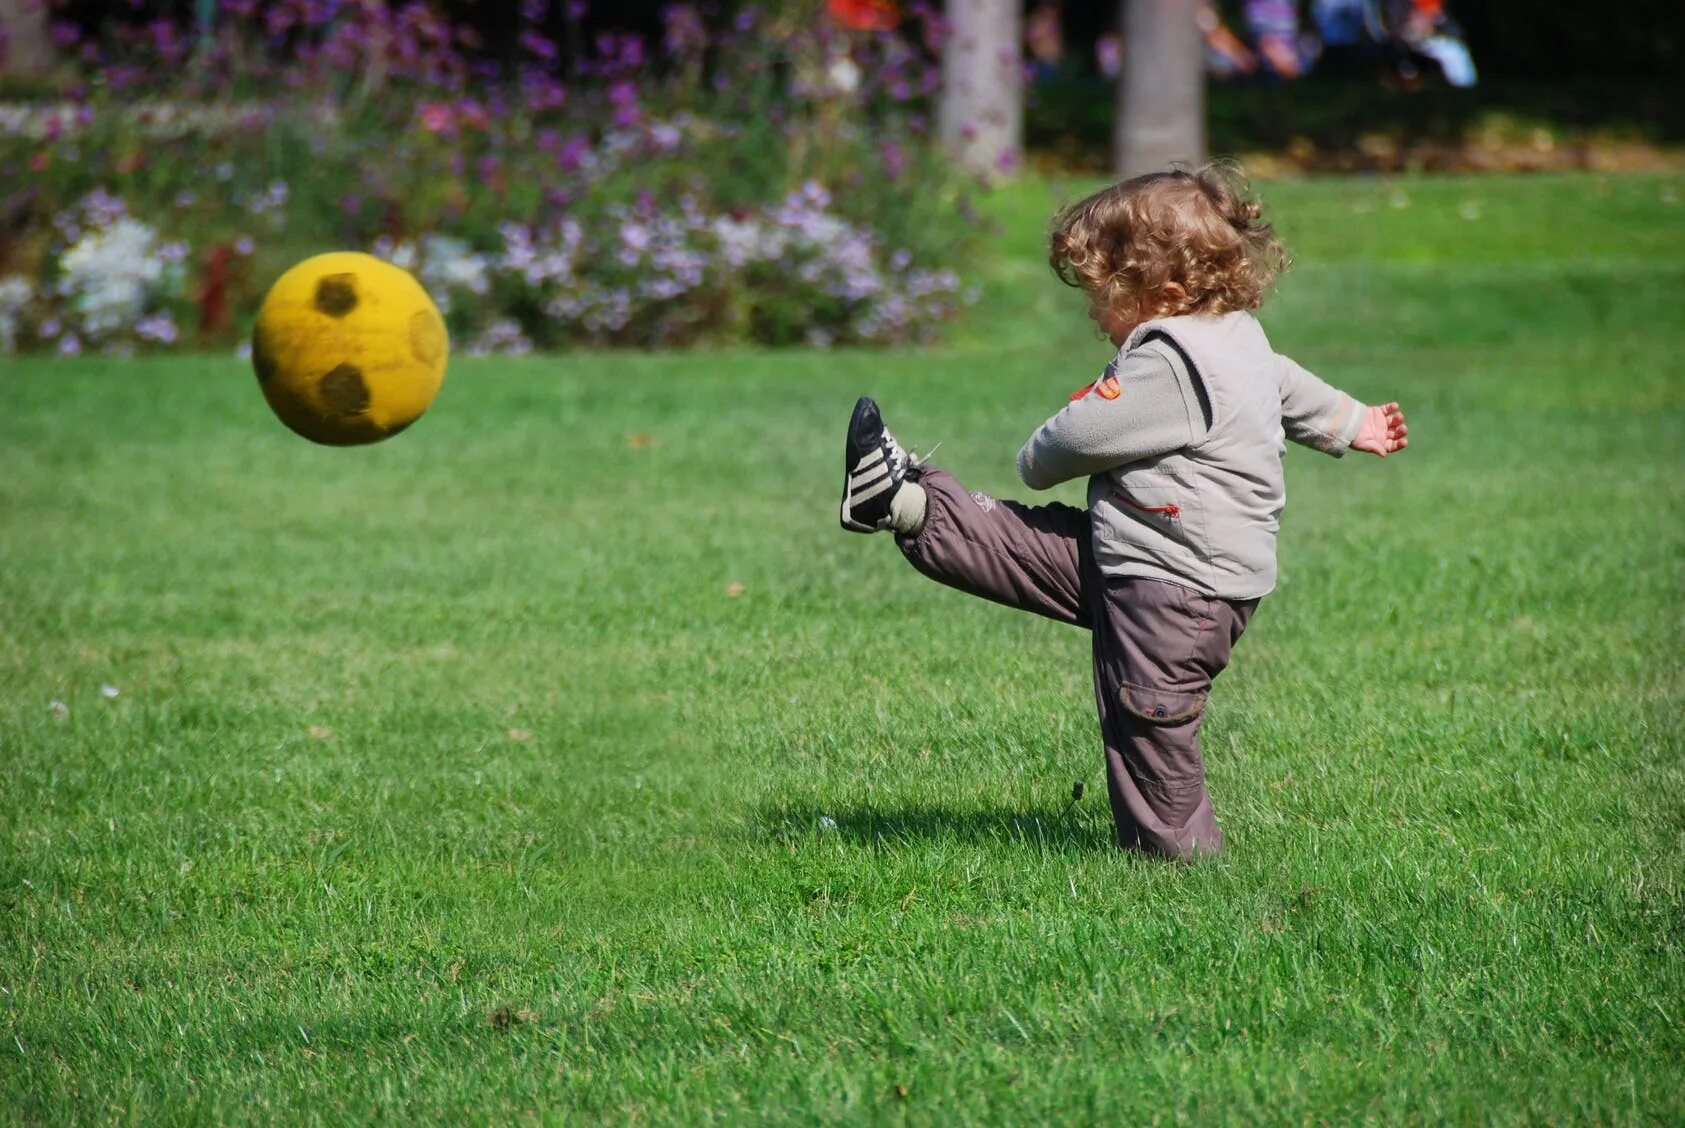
<point>1383,431</point>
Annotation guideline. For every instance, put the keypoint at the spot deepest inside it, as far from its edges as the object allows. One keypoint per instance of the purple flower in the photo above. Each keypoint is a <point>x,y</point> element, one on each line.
<point>540,91</point>
<point>473,114</point>
<point>71,345</point>
<point>159,328</point>
<point>573,153</point>
<point>684,32</point>
<point>537,45</point>
<point>277,19</point>
<point>165,41</point>
<point>123,77</point>
<point>623,96</point>
<point>894,159</point>
<point>620,53</point>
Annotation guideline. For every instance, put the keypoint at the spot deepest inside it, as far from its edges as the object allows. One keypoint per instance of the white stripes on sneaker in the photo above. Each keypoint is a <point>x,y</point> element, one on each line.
<point>871,471</point>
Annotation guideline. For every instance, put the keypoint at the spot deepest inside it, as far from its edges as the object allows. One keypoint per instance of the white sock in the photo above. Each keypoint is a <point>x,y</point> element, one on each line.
<point>907,509</point>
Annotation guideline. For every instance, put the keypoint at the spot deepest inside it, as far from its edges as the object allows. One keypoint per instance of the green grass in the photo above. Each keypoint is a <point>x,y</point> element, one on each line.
<point>796,854</point>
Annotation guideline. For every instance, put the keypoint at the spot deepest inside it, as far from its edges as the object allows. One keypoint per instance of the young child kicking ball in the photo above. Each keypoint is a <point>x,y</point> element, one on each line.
<point>1181,439</point>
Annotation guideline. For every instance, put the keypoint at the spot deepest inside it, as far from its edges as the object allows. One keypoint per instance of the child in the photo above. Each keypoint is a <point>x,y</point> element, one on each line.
<point>1181,439</point>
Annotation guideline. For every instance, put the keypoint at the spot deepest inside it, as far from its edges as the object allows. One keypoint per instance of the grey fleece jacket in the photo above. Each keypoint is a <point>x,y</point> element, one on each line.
<point>1183,437</point>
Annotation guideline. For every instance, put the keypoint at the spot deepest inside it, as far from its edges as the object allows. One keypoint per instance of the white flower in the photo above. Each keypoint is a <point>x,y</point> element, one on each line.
<point>449,265</point>
<point>843,74</point>
<point>108,275</point>
<point>400,255</point>
<point>15,295</point>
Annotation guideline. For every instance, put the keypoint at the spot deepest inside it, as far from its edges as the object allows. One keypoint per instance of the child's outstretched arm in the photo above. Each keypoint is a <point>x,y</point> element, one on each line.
<point>1144,406</point>
<point>1314,414</point>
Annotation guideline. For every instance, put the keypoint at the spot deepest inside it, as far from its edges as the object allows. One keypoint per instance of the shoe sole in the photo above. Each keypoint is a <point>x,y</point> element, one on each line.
<point>848,476</point>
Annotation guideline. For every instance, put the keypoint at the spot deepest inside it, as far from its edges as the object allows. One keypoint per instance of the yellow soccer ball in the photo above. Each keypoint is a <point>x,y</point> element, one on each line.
<point>349,349</point>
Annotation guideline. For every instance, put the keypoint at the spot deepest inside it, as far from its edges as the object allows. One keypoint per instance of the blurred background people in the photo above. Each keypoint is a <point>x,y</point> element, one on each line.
<point>1044,39</point>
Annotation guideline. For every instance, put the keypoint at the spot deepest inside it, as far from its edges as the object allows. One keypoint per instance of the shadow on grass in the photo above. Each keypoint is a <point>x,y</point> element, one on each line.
<point>1051,829</point>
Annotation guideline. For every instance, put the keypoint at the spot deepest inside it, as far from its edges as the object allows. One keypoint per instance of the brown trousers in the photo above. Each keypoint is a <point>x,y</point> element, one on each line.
<point>1157,647</point>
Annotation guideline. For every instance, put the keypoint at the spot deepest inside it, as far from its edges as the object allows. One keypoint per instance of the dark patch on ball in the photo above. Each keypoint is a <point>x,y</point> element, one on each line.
<point>263,355</point>
<point>427,336</point>
<point>336,294</point>
<point>343,391</point>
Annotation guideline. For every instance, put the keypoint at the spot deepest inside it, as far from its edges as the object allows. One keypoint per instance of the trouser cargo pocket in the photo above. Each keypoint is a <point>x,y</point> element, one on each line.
<point>1160,706</point>
<point>1159,742</point>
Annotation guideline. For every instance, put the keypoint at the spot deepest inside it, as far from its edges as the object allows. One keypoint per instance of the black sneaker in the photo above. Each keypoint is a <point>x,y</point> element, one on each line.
<point>874,466</point>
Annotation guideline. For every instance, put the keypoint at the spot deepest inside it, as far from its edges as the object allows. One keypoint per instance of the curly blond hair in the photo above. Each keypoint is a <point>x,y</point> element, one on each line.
<point>1167,243</point>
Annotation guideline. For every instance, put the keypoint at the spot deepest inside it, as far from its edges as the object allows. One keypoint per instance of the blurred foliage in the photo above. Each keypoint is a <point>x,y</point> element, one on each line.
<point>1355,122</point>
<point>767,178</point>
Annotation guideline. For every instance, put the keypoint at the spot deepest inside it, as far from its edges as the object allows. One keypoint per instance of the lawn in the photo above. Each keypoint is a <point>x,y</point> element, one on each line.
<point>561,760</point>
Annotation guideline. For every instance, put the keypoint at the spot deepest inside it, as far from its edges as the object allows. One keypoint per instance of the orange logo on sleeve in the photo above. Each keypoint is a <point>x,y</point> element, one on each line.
<point>1107,386</point>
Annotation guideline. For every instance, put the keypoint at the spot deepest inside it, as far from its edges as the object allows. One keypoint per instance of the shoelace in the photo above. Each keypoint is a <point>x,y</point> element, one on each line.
<point>903,460</point>
<point>894,455</point>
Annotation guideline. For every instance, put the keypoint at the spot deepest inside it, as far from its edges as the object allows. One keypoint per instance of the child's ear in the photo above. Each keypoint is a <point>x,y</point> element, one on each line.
<point>1175,295</point>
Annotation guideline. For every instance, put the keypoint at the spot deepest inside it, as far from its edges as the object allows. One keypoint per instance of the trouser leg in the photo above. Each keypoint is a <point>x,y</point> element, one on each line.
<point>1157,648</point>
<point>1036,558</point>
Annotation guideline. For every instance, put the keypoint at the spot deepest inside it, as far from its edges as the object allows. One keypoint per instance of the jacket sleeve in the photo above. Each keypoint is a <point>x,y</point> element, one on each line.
<point>1143,406</point>
<point>1314,414</point>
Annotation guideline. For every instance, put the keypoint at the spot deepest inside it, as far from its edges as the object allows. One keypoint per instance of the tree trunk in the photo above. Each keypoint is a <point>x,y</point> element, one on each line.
<point>981,116</point>
<point>28,46</point>
<point>1160,115</point>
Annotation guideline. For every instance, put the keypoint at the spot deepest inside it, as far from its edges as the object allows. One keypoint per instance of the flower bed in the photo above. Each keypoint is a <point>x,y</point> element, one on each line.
<point>767,180</point>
